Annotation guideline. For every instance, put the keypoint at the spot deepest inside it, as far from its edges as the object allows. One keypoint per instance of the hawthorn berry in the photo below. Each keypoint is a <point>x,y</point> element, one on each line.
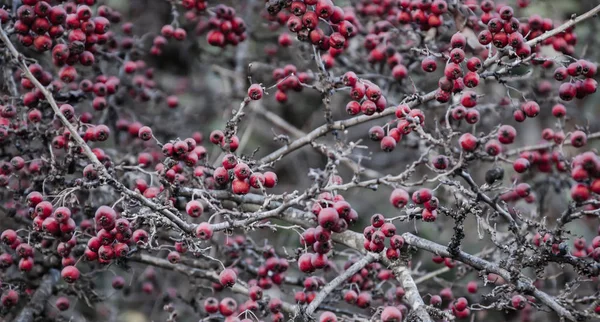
<point>70,274</point>
<point>468,142</point>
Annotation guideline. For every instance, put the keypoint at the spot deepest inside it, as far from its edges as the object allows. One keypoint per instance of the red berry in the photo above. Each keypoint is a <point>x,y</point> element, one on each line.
<point>327,317</point>
<point>391,314</point>
<point>350,296</point>
<point>228,277</point>
<point>145,133</point>
<point>521,165</point>
<point>429,215</point>
<point>461,304</point>
<point>305,263</point>
<point>70,274</point>
<point>255,92</point>
<point>580,192</point>
<point>270,179</point>
<point>211,305</point>
<point>399,198</point>
<point>328,217</point>
<point>472,287</point>
<point>578,139</point>
<point>227,306</point>
<point>194,208</point>
<point>506,134</point>
<point>468,99</point>
<point>567,91</point>
<point>204,231</point>
<point>518,302</point>
<point>429,65</point>
<point>388,144</point>
<point>468,142</point>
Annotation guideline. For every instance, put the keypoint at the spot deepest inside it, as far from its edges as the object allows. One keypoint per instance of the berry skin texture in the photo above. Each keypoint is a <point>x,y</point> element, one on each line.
<point>468,99</point>
<point>204,231</point>
<point>435,300</point>
<point>388,144</point>
<point>62,303</point>
<point>270,179</point>
<point>9,298</point>
<point>327,317</point>
<point>472,287</point>
<point>70,274</point>
<point>461,304</point>
<point>429,216</point>
<point>429,65</point>
<point>521,165</point>
<point>305,263</point>
<point>194,208</point>
<point>255,92</point>
<point>468,142</point>
<point>391,314</point>
<point>421,196</point>
<point>228,277</point>
<point>506,134</point>
<point>578,139</point>
<point>518,302</point>
<point>580,192</point>
<point>328,217</point>
<point>240,187</point>
<point>493,148</point>
<point>399,198</point>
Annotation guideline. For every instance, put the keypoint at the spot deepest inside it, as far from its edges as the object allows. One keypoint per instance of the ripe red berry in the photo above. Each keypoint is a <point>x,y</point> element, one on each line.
<point>194,208</point>
<point>228,277</point>
<point>227,306</point>
<point>328,217</point>
<point>145,133</point>
<point>240,186</point>
<point>9,237</point>
<point>305,263</point>
<point>388,229</point>
<point>364,299</point>
<point>255,92</point>
<point>506,134</point>
<point>493,148</point>
<point>567,91</point>
<point>211,305</point>
<point>485,37</point>
<point>62,303</point>
<point>435,300</point>
<point>204,231</point>
<point>468,99</point>
<point>9,298</point>
<point>350,296</point>
<point>580,192</point>
<point>391,314</point>
<point>429,215</point>
<point>388,144</point>
<point>327,317</point>
<point>428,64</point>
<point>518,302</point>
<point>578,138</point>
<point>472,287</point>
<point>521,165</point>
<point>270,179</point>
<point>399,198</point>
<point>468,142</point>
<point>461,304</point>
<point>70,274</point>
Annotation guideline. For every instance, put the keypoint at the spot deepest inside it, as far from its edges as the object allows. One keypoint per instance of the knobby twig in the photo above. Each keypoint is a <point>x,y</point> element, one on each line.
<point>38,301</point>
<point>366,260</point>
<point>523,284</point>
